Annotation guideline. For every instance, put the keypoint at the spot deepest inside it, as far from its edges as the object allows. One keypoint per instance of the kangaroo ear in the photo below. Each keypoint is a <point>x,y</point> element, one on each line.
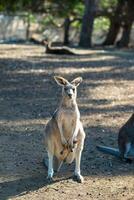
<point>77,81</point>
<point>60,80</point>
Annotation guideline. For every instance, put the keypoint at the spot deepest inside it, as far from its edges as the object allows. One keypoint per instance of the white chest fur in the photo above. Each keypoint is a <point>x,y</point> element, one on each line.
<point>69,120</point>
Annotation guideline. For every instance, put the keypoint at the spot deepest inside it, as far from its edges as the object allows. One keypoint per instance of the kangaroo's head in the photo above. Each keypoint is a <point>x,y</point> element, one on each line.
<point>69,89</point>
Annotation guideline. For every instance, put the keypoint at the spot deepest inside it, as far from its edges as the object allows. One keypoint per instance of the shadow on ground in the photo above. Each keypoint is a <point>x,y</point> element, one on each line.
<point>29,96</point>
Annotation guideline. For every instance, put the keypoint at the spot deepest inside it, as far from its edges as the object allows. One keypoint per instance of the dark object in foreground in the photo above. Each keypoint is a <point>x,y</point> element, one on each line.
<point>58,50</point>
<point>125,142</point>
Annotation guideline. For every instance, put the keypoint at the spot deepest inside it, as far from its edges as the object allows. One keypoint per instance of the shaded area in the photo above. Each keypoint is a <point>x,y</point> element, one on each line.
<point>28,97</point>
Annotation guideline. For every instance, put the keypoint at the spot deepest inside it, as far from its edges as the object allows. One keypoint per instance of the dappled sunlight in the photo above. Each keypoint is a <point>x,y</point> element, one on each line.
<point>27,122</point>
<point>78,58</point>
<point>29,71</point>
<point>61,70</point>
<point>9,177</point>
<point>28,98</point>
<point>24,51</point>
<point>64,70</point>
<point>104,119</point>
<point>114,91</point>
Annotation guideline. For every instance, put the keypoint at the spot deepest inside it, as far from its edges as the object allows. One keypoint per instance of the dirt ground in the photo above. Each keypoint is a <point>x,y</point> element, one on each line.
<point>29,96</point>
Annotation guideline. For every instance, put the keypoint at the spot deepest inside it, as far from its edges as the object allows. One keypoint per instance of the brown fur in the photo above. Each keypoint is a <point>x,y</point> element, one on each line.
<point>64,134</point>
<point>126,136</point>
<point>58,50</point>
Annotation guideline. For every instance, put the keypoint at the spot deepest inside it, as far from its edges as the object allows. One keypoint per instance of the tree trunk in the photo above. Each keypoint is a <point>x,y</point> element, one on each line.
<point>87,24</point>
<point>115,24</point>
<point>28,27</point>
<point>113,32</point>
<point>124,41</point>
<point>127,21</point>
<point>66,31</point>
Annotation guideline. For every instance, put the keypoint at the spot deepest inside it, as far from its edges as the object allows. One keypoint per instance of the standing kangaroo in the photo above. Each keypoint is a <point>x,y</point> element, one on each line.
<point>64,134</point>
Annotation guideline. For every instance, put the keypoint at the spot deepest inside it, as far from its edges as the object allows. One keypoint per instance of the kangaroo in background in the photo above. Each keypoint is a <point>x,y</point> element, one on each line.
<point>125,142</point>
<point>58,50</point>
<point>64,134</point>
<point>126,137</point>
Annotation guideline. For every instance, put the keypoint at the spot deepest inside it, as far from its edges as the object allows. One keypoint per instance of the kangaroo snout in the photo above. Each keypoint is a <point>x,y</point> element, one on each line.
<point>70,95</point>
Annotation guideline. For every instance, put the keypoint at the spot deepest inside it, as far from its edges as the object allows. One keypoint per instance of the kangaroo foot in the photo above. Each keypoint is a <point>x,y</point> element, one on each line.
<point>79,178</point>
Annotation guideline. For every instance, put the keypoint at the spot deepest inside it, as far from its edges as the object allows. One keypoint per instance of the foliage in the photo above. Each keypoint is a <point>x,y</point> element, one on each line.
<point>66,8</point>
<point>21,5</point>
<point>106,4</point>
<point>101,23</point>
<point>10,5</point>
<point>76,24</point>
<point>79,9</point>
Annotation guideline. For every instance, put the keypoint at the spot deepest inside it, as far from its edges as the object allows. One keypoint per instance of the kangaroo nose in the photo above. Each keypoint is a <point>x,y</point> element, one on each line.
<point>70,95</point>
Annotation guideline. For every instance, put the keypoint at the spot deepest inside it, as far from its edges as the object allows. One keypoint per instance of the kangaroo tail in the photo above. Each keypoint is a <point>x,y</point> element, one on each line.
<point>108,150</point>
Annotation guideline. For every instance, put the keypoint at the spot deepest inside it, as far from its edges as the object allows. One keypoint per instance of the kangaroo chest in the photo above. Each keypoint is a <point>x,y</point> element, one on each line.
<point>69,122</point>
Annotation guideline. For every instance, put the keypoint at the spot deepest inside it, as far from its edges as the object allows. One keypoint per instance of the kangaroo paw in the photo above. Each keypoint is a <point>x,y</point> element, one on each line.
<point>78,178</point>
<point>50,179</point>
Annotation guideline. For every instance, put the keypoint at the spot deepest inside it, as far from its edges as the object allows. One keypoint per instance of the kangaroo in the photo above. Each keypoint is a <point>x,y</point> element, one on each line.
<point>64,133</point>
<point>126,138</point>
<point>125,142</point>
<point>58,50</point>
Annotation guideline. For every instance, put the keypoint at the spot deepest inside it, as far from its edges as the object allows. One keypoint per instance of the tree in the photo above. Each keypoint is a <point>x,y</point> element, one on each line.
<point>23,8</point>
<point>22,5</point>
<point>94,9</point>
<point>127,22</point>
<point>69,10</point>
<point>122,17</point>
<point>67,23</point>
<point>87,24</point>
<point>115,23</point>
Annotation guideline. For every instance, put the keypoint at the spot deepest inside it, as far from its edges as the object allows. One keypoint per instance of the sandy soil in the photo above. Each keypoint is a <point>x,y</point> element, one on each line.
<point>28,97</point>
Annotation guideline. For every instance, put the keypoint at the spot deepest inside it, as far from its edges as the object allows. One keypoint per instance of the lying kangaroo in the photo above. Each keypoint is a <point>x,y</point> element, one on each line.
<point>125,142</point>
<point>64,134</point>
<point>58,50</point>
